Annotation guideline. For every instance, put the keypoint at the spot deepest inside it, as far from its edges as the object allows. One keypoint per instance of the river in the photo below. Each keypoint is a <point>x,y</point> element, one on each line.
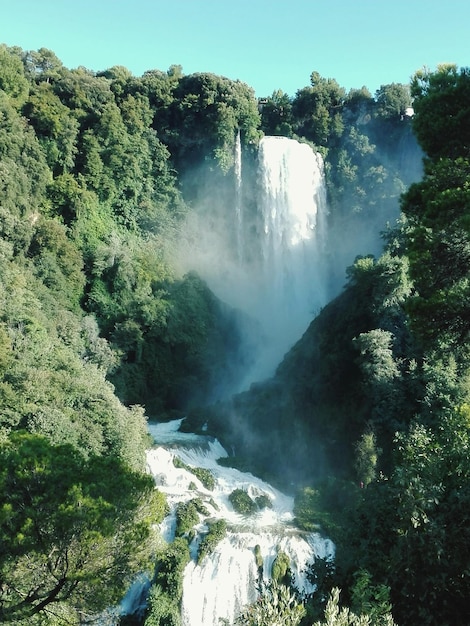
<point>226,580</point>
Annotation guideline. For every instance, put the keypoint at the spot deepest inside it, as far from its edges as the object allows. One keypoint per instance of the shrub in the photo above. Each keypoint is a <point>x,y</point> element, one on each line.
<point>280,568</point>
<point>263,502</point>
<point>242,503</point>
<point>217,531</point>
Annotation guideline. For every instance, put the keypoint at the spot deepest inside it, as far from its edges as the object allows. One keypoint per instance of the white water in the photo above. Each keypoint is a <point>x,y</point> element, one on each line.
<point>238,198</point>
<point>266,255</point>
<point>226,580</point>
<point>294,279</point>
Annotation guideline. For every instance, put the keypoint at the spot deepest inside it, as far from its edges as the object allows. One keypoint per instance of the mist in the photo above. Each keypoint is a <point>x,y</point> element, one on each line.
<point>260,241</point>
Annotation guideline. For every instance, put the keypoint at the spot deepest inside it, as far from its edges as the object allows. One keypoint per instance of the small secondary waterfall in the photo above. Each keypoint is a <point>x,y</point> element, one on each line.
<point>225,581</point>
<point>266,255</point>
<point>238,195</point>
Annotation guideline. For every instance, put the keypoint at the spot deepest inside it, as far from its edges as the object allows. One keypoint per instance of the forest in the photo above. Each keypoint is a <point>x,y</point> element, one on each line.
<point>100,330</point>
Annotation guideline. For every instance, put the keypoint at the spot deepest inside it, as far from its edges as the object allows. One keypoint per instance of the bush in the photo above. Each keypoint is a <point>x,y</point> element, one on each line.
<point>242,503</point>
<point>187,515</point>
<point>263,502</point>
<point>217,531</point>
<point>280,571</point>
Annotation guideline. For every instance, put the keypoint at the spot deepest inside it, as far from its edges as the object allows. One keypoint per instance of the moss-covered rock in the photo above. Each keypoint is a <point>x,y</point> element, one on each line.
<point>217,531</point>
<point>242,503</point>
<point>280,570</point>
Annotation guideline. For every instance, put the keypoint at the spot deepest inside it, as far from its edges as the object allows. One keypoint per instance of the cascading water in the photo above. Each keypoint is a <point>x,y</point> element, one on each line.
<point>293,276</point>
<point>238,195</point>
<point>226,580</point>
<point>267,259</point>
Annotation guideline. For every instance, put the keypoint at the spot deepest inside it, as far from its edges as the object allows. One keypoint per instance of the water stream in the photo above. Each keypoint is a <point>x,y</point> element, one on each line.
<point>226,580</point>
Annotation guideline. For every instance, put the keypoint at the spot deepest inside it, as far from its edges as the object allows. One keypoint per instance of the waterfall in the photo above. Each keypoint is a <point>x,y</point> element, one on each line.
<point>238,194</point>
<point>226,580</point>
<point>292,207</point>
<point>266,256</point>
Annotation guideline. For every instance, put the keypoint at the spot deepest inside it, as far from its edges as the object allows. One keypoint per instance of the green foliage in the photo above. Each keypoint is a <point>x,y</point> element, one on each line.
<point>164,601</point>
<point>326,507</point>
<point>442,114</point>
<point>258,557</point>
<point>322,575</point>
<point>12,79</point>
<point>205,476</point>
<point>307,508</point>
<point>58,263</point>
<point>42,65</point>
<point>162,610</point>
<point>393,100</point>
<point>65,524</point>
<point>398,532</point>
<point>337,616</point>
<point>280,569</point>
<point>276,604</point>
<point>207,112</point>
<point>242,502</point>
<point>316,110</point>
<point>276,114</point>
<point>382,376</point>
<point>366,458</point>
<point>217,532</point>
<point>24,175</point>
<point>371,600</point>
<point>263,502</point>
<point>377,357</point>
<point>438,247</point>
<point>55,126</point>
<point>187,516</point>
<point>170,566</point>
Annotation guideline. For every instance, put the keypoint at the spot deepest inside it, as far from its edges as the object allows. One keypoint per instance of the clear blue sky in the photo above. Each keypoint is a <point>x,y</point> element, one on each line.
<point>267,44</point>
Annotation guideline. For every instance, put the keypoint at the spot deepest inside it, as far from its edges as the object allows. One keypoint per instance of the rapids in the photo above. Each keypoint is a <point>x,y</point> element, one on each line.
<point>226,580</point>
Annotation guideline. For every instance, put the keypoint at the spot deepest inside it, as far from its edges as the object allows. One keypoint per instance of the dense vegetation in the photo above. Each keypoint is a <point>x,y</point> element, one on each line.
<point>98,327</point>
<point>95,321</point>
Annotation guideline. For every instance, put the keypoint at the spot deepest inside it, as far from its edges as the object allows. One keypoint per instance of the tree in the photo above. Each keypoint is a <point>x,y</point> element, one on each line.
<point>381,374</point>
<point>164,603</point>
<point>276,604</point>
<point>317,110</point>
<point>392,100</point>
<point>366,458</point>
<point>55,127</point>
<point>24,176</point>
<point>276,114</point>
<point>441,119</point>
<point>438,246</point>
<point>337,616</point>
<point>72,530</point>
<point>42,65</point>
<point>208,111</point>
<point>12,79</point>
<point>411,529</point>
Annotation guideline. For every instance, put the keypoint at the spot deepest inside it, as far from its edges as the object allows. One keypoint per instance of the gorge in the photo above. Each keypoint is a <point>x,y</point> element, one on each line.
<point>272,263</point>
